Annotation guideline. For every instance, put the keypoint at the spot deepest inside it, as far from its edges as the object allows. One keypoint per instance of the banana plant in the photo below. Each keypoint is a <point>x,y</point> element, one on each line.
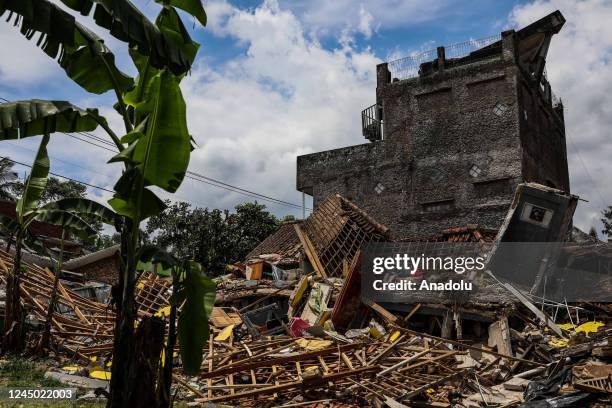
<point>155,146</point>
<point>69,214</point>
<point>192,300</point>
<point>65,213</point>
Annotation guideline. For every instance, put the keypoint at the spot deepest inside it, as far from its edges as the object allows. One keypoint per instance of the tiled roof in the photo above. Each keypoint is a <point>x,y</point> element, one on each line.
<point>468,233</point>
<point>284,242</point>
<point>337,229</point>
<point>88,259</point>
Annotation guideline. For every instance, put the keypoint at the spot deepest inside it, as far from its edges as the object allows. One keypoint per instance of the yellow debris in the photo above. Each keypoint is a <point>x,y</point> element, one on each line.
<point>558,343</point>
<point>394,336</point>
<point>313,345</point>
<point>100,374</point>
<point>589,327</point>
<point>71,369</point>
<point>163,312</point>
<point>225,334</point>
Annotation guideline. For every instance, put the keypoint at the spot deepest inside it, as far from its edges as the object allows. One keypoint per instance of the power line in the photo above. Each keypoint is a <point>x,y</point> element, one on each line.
<point>190,174</point>
<point>60,175</point>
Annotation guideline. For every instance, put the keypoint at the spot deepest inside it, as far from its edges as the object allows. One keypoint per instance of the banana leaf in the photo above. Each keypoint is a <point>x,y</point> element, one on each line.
<point>126,23</point>
<point>172,26</point>
<point>70,222</point>
<point>193,330</point>
<point>8,225</point>
<point>166,131</point>
<point>81,207</point>
<point>36,182</point>
<point>151,253</point>
<point>37,117</point>
<point>193,7</point>
<point>125,199</point>
<point>82,54</point>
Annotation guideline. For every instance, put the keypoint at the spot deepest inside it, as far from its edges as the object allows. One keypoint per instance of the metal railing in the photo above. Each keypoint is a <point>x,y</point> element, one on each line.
<point>410,66</point>
<point>371,126</point>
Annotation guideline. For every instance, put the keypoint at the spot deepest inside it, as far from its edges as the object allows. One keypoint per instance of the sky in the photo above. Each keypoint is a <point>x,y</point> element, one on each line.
<point>275,79</point>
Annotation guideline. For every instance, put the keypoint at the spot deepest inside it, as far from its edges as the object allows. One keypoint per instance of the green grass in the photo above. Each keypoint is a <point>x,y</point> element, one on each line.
<point>21,372</point>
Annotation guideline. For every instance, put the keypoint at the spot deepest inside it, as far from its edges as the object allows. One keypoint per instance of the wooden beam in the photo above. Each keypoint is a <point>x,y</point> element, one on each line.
<point>310,251</point>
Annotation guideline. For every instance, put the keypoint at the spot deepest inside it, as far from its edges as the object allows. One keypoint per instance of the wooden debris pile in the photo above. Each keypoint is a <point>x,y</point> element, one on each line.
<point>81,328</point>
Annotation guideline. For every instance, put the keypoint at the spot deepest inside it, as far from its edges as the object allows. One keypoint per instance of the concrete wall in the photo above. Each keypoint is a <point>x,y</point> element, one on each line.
<point>437,127</point>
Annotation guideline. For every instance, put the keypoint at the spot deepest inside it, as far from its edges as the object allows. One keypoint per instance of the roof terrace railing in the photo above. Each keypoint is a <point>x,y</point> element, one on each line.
<point>409,67</point>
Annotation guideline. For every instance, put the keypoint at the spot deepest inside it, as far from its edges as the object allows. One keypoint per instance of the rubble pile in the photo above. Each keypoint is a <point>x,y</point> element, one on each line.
<point>291,328</point>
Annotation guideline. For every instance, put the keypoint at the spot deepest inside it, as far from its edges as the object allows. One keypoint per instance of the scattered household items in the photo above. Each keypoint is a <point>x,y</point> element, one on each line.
<point>291,326</point>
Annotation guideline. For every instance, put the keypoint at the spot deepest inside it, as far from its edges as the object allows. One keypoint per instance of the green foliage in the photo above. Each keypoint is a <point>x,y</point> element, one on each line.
<point>607,221</point>
<point>75,215</point>
<point>9,182</point>
<point>193,7</point>
<point>37,117</point>
<point>8,225</point>
<point>194,295</point>
<point>126,23</point>
<point>213,238</point>
<point>36,182</point>
<point>155,149</point>
<point>193,330</point>
<point>164,108</point>
<point>19,372</point>
<point>57,189</point>
<point>105,241</point>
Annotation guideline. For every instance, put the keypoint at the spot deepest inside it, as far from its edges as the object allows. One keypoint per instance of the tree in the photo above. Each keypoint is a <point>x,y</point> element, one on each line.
<point>593,232</point>
<point>607,221</point>
<point>57,189</point>
<point>214,238</point>
<point>154,149</point>
<point>248,226</point>
<point>8,179</point>
<point>106,241</point>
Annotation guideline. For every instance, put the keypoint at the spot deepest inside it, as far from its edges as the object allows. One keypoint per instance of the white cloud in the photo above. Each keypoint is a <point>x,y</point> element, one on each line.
<point>579,68</point>
<point>285,97</point>
<point>330,17</point>
<point>365,21</point>
<point>22,61</point>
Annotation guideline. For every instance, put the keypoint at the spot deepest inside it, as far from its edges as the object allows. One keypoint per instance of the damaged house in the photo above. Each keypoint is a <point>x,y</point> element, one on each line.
<point>452,133</point>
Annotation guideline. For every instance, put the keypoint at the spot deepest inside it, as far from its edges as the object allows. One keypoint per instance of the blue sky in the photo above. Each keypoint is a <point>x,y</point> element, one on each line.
<point>278,79</point>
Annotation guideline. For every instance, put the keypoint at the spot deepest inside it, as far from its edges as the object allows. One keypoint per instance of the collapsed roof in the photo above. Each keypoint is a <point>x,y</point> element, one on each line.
<point>329,238</point>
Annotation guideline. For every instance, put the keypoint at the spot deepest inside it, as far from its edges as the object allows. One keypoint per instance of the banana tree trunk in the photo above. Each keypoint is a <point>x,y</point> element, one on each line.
<point>46,337</point>
<point>13,311</point>
<point>165,376</point>
<point>122,371</point>
<point>9,243</point>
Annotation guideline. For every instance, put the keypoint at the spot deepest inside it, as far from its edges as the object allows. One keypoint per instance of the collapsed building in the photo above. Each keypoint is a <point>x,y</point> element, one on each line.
<point>452,133</point>
<point>466,147</point>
